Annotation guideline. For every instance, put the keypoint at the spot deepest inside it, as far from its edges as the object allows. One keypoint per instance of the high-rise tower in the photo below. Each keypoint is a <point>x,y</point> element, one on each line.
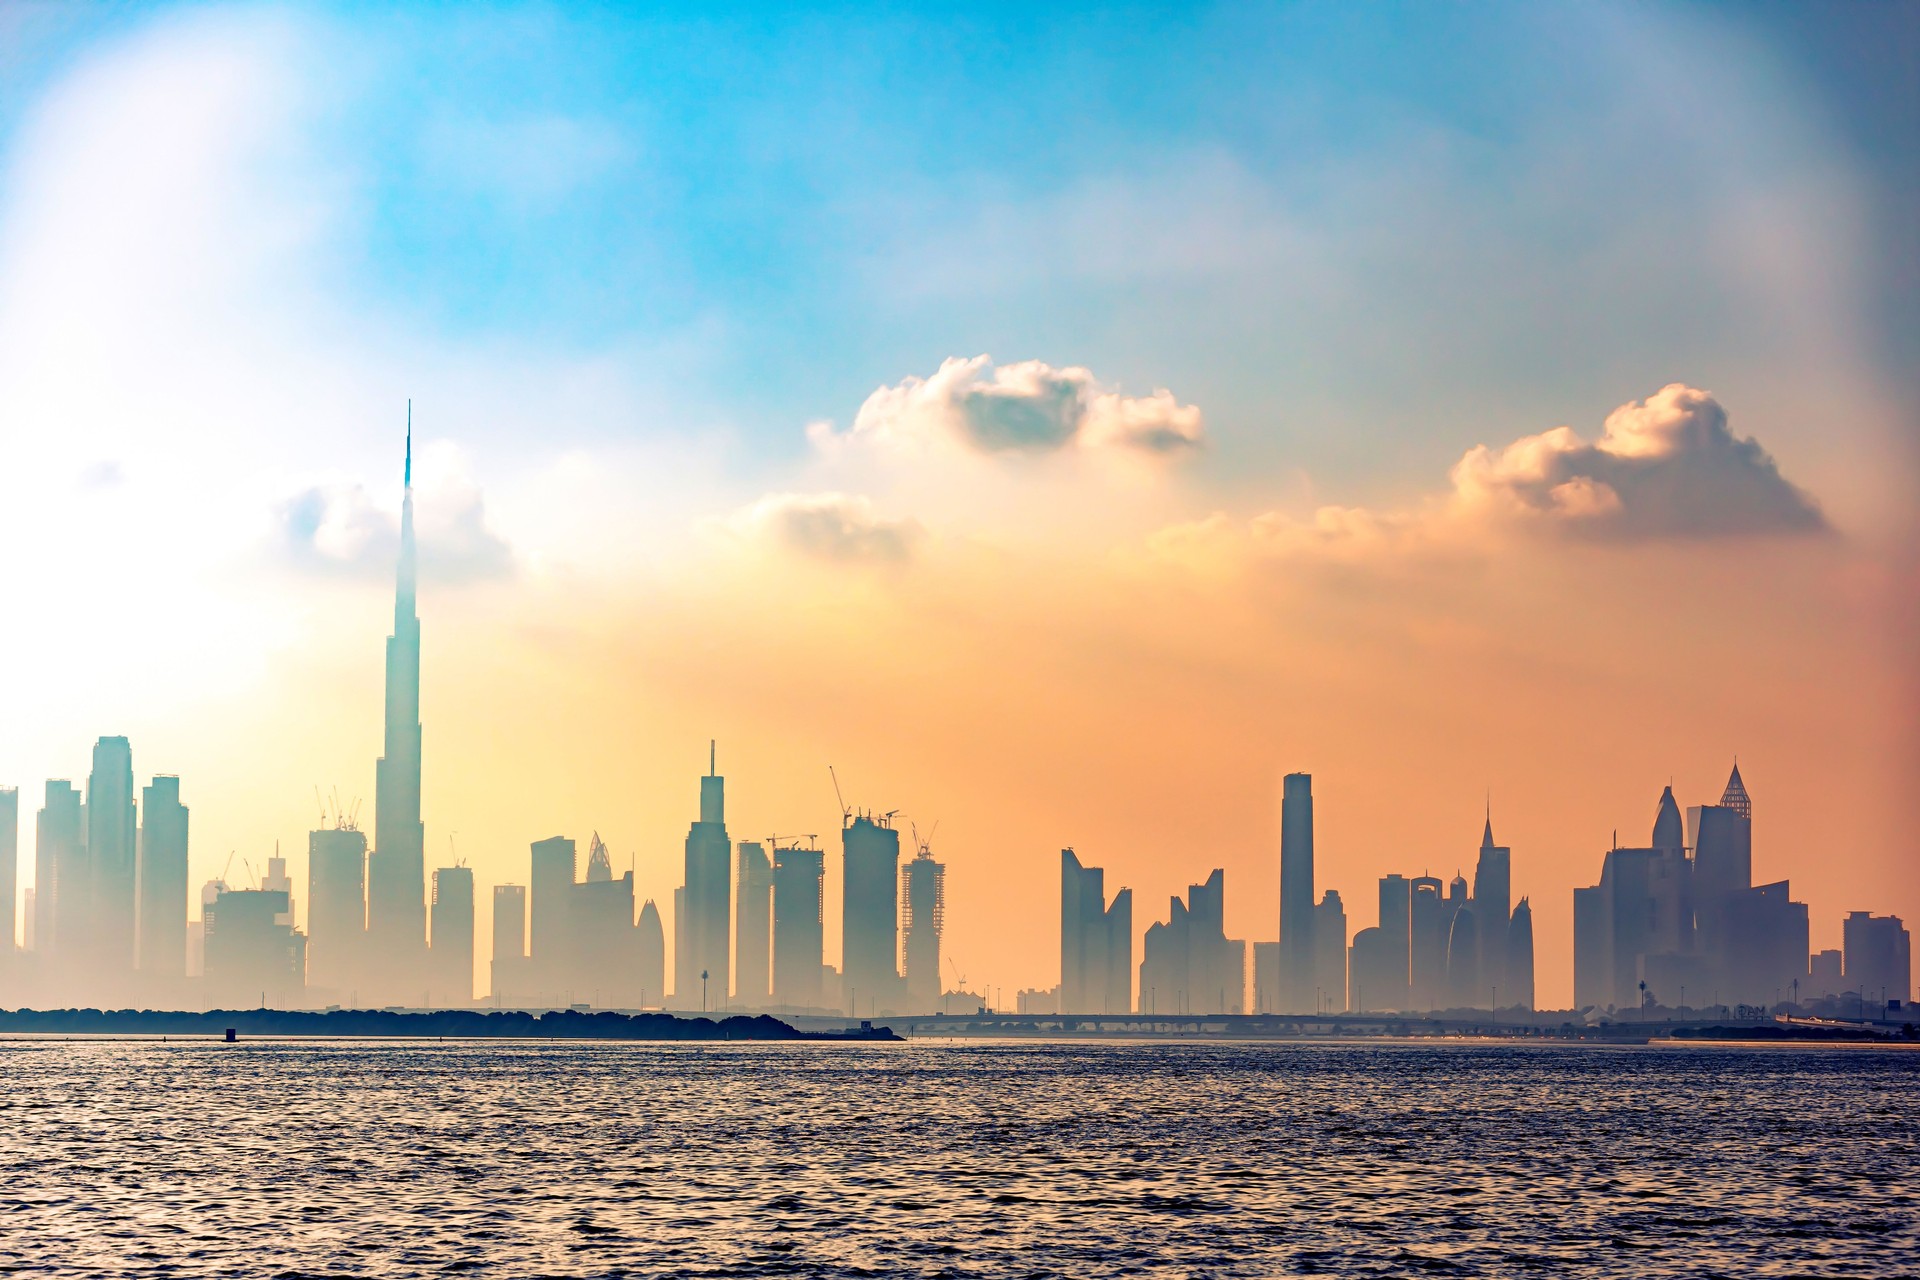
<point>753,927</point>
<point>111,844</point>
<point>703,931</point>
<point>870,925</point>
<point>1096,941</point>
<point>396,868</point>
<point>1296,894</point>
<point>163,879</point>
<point>1492,910</point>
<point>9,860</point>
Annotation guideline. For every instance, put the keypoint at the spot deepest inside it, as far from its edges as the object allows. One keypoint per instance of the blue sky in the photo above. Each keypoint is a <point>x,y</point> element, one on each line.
<point>1343,229</point>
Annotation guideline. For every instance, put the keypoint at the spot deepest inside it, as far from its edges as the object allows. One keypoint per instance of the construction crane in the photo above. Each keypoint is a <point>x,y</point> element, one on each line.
<point>846,814</point>
<point>924,847</point>
<point>773,842</point>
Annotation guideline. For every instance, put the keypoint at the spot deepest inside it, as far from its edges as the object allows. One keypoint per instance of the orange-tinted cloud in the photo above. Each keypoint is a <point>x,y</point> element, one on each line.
<point>1668,467</point>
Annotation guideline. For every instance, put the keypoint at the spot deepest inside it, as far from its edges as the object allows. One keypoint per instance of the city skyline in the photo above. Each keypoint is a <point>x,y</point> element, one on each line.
<point>109,924</point>
<point>1067,486</point>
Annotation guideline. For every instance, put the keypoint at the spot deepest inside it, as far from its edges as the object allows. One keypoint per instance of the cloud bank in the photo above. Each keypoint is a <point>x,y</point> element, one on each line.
<point>1028,408</point>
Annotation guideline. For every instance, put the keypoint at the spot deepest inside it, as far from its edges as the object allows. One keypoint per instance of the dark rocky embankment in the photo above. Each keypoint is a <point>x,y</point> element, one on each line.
<point>557,1024</point>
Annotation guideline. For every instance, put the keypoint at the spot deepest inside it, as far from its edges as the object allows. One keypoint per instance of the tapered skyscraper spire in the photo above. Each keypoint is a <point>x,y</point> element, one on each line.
<point>396,868</point>
<point>1735,797</point>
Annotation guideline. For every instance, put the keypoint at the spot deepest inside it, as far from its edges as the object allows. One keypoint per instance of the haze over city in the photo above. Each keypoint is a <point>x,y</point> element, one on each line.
<point>1062,485</point>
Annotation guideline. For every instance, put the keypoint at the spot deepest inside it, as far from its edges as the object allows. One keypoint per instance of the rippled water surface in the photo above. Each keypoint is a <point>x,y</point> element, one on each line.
<point>331,1158</point>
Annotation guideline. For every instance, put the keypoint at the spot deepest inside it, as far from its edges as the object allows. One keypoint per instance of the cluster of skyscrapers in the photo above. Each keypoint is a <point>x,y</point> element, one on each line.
<point>108,920</point>
<point>1436,947</point>
<point>108,916</point>
<point>1680,924</point>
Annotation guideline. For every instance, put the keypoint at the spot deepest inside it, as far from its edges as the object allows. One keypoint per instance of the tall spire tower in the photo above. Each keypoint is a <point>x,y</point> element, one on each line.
<point>396,868</point>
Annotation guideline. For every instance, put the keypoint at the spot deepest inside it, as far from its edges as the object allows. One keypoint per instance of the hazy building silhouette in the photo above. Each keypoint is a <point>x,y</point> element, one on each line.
<point>1686,922</point>
<point>1388,984</point>
<point>1519,965</point>
<point>1464,985</point>
<point>799,875</point>
<point>550,942</point>
<point>278,881</point>
<point>924,890</point>
<point>451,944</point>
<point>254,957</point>
<point>62,904</point>
<point>606,959</point>
<point>397,865</point>
<point>336,907</point>
<point>1613,929</point>
<point>197,929</point>
<point>1492,909</point>
<point>1266,976</point>
<point>650,948</point>
<point>1879,959</point>
<point>702,930</point>
<point>1826,974</point>
<point>1096,941</point>
<point>870,925</point>
<point>509,963</point>
<point>1188,964</point>
<point>753,927</point>
<point>162,941</point>
<point>1296,893</point>
<point>10,859</point>
<point>1372,966</point>
<point>111,855</point>
<point>1721,837</point>
<point>1430,921</point>
<point>1329,953</point>
<point>682,937</point>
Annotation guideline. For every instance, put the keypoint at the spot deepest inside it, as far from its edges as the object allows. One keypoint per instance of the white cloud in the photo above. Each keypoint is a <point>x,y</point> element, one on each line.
<point>342,529</point>
<point>836,527</point>
<point>1026,408</point>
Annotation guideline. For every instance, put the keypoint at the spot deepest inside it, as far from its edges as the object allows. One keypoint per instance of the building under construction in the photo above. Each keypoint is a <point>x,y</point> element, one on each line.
<point>923,888</point>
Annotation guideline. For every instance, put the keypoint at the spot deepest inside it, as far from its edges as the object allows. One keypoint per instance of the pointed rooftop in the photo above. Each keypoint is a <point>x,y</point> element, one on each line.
<point>1735,797</point>
<point>1669,831</point>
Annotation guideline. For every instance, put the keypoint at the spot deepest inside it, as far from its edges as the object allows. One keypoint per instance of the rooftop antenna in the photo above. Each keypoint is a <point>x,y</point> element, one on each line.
<point>846,814</point>
<point>712,757</point>
<point>409,470</point>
